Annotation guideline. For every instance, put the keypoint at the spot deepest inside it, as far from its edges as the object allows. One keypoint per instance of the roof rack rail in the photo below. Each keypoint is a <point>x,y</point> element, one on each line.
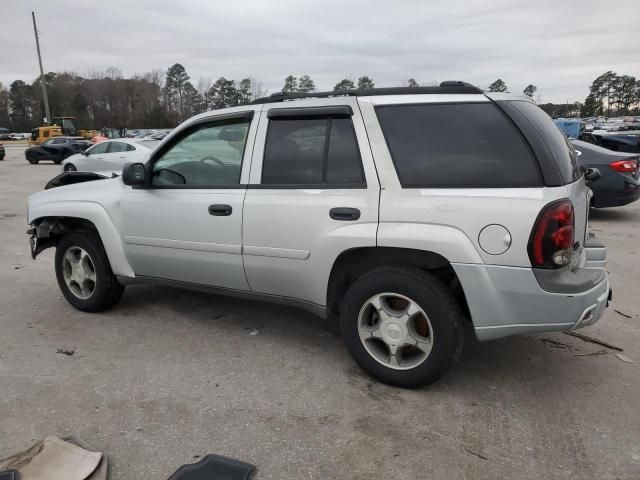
<point>449,86</point>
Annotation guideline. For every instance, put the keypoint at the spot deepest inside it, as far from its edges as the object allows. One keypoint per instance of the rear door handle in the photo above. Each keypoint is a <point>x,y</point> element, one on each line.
<point>344,213</point>
<point>220,210</point>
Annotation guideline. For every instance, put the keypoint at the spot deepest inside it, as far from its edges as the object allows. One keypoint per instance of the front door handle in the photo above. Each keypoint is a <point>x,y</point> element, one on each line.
<point>220,210</point>
<point>344,213</point>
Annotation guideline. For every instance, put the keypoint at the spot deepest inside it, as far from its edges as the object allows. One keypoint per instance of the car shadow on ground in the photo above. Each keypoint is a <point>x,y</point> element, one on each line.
<point>522,362</point>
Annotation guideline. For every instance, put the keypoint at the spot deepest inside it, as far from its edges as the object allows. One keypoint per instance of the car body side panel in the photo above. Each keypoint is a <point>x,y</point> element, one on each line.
<point>99,204</point>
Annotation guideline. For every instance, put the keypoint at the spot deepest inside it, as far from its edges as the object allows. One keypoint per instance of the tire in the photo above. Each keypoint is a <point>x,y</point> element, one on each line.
<point>69,167</point>
<point>95,295</point>
<point>438,326</point>
<point>32,159</point>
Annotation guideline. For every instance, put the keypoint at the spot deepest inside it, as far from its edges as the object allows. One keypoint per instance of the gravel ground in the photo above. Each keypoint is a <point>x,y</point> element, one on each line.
<point>168,375</point>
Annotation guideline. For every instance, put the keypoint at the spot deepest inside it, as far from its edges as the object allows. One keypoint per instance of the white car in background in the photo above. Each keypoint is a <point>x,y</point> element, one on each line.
<point>109,156</point>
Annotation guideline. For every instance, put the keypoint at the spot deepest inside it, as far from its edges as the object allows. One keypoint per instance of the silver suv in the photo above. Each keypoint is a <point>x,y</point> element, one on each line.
<point>405,212</point>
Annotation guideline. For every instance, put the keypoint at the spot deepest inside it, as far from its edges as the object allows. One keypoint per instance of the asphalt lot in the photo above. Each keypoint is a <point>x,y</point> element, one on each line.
<point>168,375</point>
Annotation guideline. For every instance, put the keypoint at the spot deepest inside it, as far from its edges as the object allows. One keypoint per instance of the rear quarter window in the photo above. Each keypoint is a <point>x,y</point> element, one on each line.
<point>456,145</point>
<point>561,150</point>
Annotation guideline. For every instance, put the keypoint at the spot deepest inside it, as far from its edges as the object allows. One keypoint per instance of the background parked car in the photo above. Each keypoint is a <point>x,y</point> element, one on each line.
<point>619,183</point>
<point>109,156</point>
<point>620,142</point>
<point>56,149</point>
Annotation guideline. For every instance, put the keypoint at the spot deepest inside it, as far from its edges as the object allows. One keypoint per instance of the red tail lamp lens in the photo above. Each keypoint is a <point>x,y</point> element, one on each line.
<point>551,243</point>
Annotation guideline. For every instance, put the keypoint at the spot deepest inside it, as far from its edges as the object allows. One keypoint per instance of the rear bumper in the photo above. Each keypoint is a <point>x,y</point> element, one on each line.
<point>506,301</point>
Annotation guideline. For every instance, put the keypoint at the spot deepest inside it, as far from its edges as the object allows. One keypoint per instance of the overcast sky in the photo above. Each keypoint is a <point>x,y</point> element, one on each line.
<point>558,45</point>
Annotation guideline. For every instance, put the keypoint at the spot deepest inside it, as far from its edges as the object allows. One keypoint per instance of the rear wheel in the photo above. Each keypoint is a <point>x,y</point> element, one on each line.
<point>402,326</point>
<point>84,274</point>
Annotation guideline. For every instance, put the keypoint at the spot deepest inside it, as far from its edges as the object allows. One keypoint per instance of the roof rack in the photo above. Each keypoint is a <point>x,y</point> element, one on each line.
<point>449,86</point>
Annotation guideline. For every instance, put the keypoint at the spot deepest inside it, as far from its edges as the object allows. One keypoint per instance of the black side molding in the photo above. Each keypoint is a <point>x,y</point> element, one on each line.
<point>325,111</point>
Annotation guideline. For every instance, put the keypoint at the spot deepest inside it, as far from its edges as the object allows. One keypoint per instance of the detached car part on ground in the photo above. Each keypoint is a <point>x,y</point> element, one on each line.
<point>55,149</point>
<point>404,212</point>
<point>619,182</point>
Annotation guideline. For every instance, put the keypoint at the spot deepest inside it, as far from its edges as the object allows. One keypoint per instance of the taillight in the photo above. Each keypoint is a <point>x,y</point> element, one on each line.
<point>551,242</point>
<point>624,166</point>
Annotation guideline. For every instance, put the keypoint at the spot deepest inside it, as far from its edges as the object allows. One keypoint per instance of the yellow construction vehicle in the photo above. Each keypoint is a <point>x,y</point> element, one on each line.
<point>59,126</point>
<point>42,134</point>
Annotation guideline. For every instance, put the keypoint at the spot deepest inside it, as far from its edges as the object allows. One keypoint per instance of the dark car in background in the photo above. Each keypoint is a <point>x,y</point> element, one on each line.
<point>56,149</point>
<point>619,182</point>
<point>619,142</point>
<point>1,152</point>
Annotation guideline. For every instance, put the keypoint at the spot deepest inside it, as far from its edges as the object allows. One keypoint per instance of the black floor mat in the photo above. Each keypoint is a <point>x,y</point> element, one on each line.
<point>10,475</point>
<point>215,467</point>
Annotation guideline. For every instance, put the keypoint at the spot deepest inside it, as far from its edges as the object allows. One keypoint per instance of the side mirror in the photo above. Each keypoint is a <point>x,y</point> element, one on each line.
<point>133,174</point>
<point>592,174</point>
<point>84,152</point>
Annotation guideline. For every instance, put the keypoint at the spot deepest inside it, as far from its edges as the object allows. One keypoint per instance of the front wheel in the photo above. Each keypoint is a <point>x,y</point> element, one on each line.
<point>84,274</point>
<point>32,159</point>
<point>69,167</point>
<point>402,326</point>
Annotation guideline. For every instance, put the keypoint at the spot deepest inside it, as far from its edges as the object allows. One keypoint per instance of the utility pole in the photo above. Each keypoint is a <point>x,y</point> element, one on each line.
<point>44,87</point>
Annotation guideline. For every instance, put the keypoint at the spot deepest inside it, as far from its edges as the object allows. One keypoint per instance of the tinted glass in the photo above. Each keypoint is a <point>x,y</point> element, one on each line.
<point>312,151</point>
<point>59,141</point>
<point>456,145</point>
<point>554,138</point>
<point>117,147</point>
<point>208,155</point>
<point>99,148</point>
<point>343,162</point>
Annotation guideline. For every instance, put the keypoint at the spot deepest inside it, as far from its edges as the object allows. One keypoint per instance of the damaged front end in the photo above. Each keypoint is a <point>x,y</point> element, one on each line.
<point>44,233</point>
<point>69,178</point>
<point>41,237</point>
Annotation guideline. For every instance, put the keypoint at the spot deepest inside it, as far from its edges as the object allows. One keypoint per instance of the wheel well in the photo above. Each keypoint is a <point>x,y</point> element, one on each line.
<point>48,230</point>
<point>352,264</point>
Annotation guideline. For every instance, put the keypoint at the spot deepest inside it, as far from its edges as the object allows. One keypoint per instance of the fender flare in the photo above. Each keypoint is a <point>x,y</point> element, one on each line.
<point>98,216</point>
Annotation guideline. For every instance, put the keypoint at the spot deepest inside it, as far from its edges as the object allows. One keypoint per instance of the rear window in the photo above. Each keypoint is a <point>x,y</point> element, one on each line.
<point>557,142</point>
<point>456,145</point>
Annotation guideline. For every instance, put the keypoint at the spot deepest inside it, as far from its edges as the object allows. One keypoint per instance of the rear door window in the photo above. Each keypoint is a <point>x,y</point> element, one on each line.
<point>456,145</point>
<point>312,151</point>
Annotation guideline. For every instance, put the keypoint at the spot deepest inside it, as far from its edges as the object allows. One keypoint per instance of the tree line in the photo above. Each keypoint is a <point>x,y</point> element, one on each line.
<point>609,95</point>
<point>160,99</point>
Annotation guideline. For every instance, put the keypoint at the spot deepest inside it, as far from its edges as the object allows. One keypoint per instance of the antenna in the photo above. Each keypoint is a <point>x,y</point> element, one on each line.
<point>44,87</point>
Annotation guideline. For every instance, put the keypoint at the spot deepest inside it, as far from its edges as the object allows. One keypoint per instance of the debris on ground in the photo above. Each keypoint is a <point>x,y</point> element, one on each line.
<point>587,338</point>
<point>622,313</point>
<point>66,351</point>
<point>599,352</point>
<point>624,358</point>
<point>555,344</point>
<point>18,267</point>
<point>218,316</point>
<point>69,458</point>
<point>479,455</point>
<point>254,332</point>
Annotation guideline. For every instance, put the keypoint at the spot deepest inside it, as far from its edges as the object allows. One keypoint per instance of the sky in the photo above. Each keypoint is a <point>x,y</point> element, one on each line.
<point>560,46</point>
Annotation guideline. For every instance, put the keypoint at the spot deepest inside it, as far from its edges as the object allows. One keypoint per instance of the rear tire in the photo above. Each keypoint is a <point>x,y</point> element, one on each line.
<point>84,274</point>
<point>393,344</point>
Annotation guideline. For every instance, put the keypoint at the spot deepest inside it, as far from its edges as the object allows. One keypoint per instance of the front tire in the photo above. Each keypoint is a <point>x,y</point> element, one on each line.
<point>32,159</point>
<point>69,167</point>
<point>402,326</point>
<point>84,274</point>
